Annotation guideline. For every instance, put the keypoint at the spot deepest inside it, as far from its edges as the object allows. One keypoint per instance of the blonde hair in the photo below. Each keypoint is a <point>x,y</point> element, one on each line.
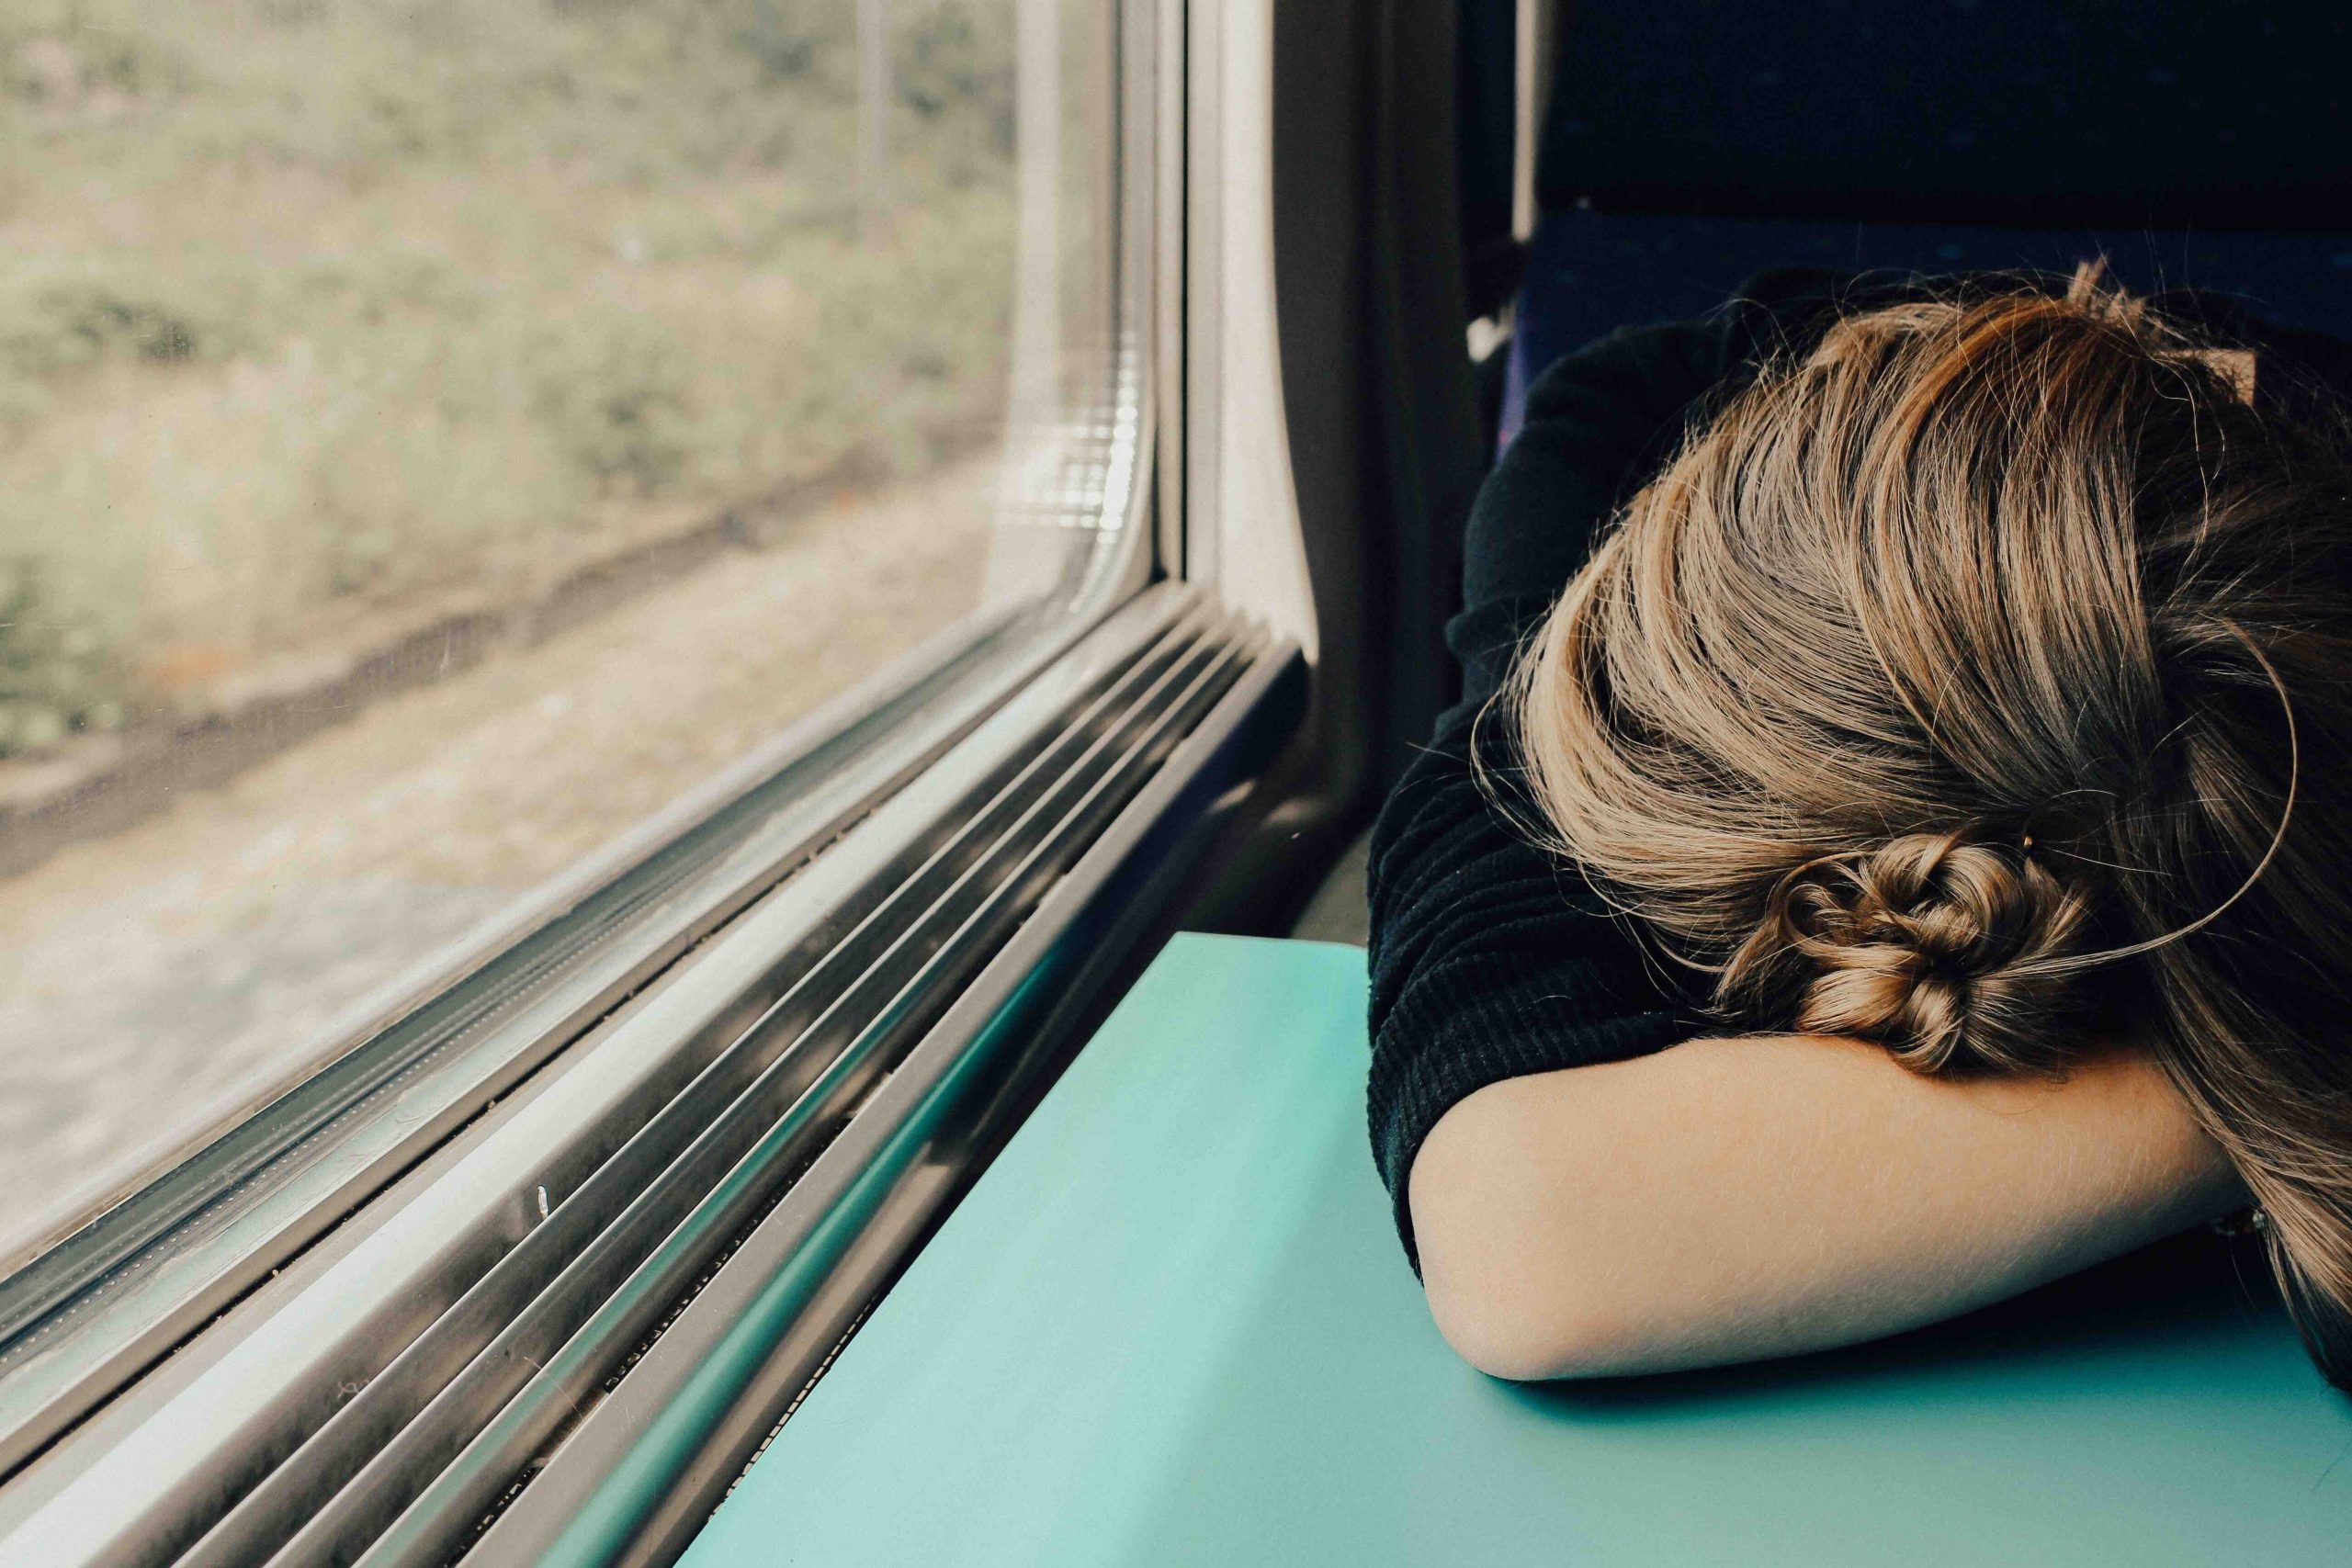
<point>1980,684</point>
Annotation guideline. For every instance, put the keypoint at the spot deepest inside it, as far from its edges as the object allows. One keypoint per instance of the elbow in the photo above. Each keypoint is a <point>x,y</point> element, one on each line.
<point>1515,1286</point>
<point>1508,1335</point>
<point>1499,1349</point>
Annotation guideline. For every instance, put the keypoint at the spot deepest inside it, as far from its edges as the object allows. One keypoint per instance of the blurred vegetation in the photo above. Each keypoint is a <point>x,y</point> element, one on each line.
<point>309,307</point>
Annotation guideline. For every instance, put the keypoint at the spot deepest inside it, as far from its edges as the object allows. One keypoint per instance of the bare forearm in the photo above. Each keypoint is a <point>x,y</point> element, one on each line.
<point>1730,1199</point>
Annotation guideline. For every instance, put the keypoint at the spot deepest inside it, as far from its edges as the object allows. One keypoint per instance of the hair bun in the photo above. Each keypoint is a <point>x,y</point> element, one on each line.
<point>1941,949</point>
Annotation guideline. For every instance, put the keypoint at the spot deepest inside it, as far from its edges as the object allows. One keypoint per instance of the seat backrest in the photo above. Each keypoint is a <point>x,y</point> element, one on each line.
<point>2170,114</point>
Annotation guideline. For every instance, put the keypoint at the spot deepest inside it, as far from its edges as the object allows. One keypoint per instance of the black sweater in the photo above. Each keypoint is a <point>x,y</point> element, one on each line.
<point>1490,958</point>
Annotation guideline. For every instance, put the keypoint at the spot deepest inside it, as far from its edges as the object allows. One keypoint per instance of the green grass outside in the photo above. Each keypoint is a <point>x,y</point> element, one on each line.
<point>312,307</point>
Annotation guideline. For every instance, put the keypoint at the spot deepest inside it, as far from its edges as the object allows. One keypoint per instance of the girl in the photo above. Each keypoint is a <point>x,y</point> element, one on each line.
<point>1896,846</point>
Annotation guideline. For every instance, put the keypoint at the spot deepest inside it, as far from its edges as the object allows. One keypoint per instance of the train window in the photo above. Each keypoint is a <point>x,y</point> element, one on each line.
<point>435,437</point>
<point>600,668</point>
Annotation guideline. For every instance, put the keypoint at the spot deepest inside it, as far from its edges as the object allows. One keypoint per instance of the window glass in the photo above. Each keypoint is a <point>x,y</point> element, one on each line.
<point>434,433</point>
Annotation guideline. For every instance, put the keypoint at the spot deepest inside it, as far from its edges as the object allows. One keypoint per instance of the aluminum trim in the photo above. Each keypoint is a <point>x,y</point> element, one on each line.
<point>1166,20</point>
<point>1059,825</point>
<point>1204,30</point>
<point>628,1486</point>
<point>564,1264</point>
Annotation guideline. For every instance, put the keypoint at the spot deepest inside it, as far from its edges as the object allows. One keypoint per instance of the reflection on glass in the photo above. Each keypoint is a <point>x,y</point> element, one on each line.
<point>433,434</point>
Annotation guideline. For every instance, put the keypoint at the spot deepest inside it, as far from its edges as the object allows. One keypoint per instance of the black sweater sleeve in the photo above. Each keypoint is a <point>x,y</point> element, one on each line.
<point>1491,959</point>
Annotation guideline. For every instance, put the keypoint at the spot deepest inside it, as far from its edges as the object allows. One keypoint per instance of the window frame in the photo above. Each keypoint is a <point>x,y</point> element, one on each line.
<point>124,1270</point>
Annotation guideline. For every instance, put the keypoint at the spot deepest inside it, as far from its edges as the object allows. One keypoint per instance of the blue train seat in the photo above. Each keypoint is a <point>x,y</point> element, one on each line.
<point>1588,271</point>
<point>1689,145</point>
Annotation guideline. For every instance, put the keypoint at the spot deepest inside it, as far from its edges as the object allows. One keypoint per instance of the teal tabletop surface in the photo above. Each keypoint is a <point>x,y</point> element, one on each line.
<point>1171,1326</point>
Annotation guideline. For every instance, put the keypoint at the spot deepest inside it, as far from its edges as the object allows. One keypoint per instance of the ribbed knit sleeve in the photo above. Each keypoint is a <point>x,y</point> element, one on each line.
<point>1489,961</point>
<point>1490,958</point>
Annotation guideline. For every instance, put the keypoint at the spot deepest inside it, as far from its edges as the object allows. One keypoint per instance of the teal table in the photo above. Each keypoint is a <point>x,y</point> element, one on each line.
<point>1171,1326</point>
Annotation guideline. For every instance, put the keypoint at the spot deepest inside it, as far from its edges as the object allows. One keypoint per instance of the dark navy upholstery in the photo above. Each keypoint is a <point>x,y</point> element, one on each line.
<point>1690,145</point>
<point>2178,114</point>
<point>1588,271</point>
